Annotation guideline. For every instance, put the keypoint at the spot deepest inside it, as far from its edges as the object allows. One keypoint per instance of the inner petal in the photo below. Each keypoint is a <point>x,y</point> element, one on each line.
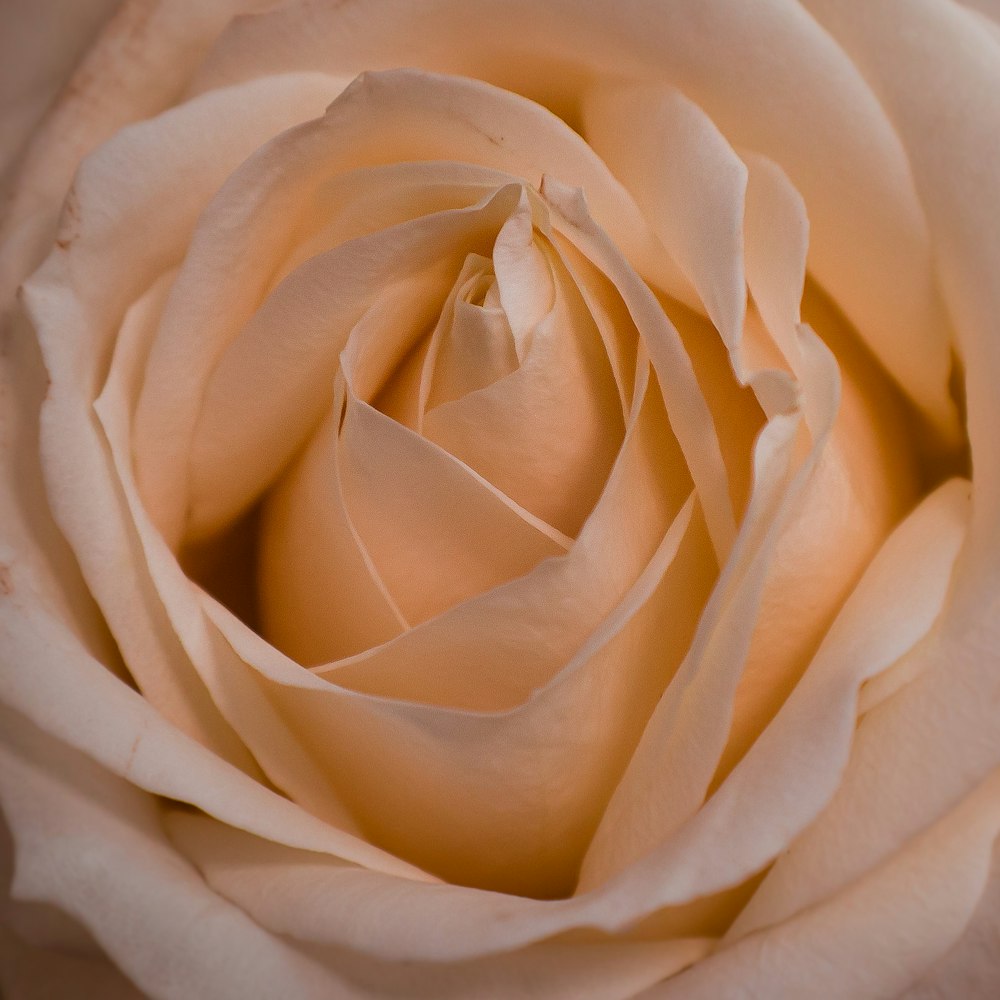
<point>546,433</point>
<point>478,348</point>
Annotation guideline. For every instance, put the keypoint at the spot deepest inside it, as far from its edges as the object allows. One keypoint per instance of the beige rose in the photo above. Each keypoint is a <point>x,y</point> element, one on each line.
<point>500,499</point>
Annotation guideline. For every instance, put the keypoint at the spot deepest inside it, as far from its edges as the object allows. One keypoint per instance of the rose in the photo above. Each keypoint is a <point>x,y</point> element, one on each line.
<point>664,804</point>
<point>641,929</point>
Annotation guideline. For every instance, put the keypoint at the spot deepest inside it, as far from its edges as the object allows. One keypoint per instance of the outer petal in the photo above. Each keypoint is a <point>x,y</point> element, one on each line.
<point>970,968</point>
<point>142,58</point>
<point>870,939</point>
<point>41,43</point>
<point>91,844</point>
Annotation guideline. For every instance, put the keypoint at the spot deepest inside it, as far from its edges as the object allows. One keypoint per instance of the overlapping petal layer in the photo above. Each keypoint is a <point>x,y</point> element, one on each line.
<point>454,503</point>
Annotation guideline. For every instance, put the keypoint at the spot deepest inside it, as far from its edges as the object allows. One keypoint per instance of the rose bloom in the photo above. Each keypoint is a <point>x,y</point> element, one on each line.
<point>500,498</point>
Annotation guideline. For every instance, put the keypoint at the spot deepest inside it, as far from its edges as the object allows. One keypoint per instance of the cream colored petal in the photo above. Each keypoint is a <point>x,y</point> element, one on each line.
<point>687,180</point>
<point>309,900</point>
<point>873,937</point>
<point>92,844</point>
<point>692,186</point>
<point>142,58</point>
<point>405,114</point>
<point>469,785</point>
<point>475,345</point>
<point>869,247</point>
<point>40,925</point>
<point>783,791</point>
<point>668,773</point>
<point>866,480</point>
<point>28,535</point>
<point>609,314</point>
<point>71,696</point>
<point>250,720</point>
<point>524,275</point>
<point>324,745</point>
<point>689,415</point>
<point>887,615</point>
<point>365,199</point>
<point>776,241</point>
<point>320,596</point>
<point>548,433</point>
<point>657,795</point>
<point>287,355</point>
<point>464,657</point>
<point>358,737</point>
<point>381,118</point>
<point>937,83</point>
<point>128,602</point>
<point>437,533</point>
<point>87,285</point>
<point>912,756</point>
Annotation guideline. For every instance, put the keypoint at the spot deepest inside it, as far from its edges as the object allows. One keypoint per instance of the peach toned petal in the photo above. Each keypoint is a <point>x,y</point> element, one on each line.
<point>870,247</point>
<point>320,595</point>
<point>610,315</point>
<point>540,620</point>
<point>141,59</point>
<point>408,115</point>
<point>547,433</point>
<point>78,701</point>
<point>87,285</point>
<point>259,730</point>
<point>381,118</point>
<point>129,605</point>
<point>661,787</point>
<point>437,533</point>
<point>914,755</point>
<point>470,785</point>
<point>301,896</point>
<point>668,776</point>
<point>91,844</point>
<point>776,241</point>
<point>463,658</point>
<point>287,355</point>
<point>864,483</point>
<point>524,275</point>
<point>28,536</point>
<point>477,347</point>
<point>943,109</point>
<point>689,415</point>
<point>323,744</point>
<point>772,794</point>
<point>872,938</point>
<point>688,182</point>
